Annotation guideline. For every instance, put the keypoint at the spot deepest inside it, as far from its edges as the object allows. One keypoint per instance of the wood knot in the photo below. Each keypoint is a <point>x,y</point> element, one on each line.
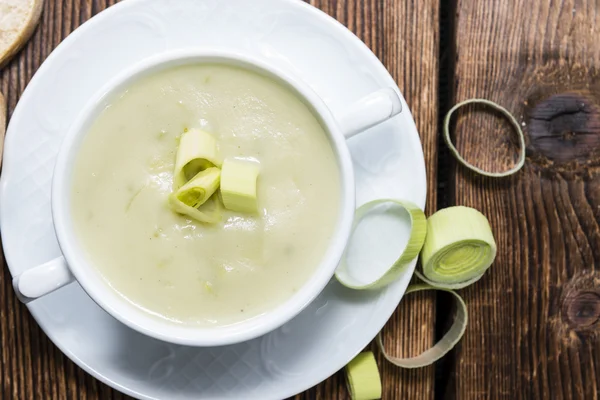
<point>582,310</point>
<point>565,127</point>
<point>580,303</point>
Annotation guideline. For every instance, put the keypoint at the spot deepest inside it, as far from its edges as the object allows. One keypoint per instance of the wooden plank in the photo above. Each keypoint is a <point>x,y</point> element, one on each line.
<point>410,53</point>
<point>403,36</point>
<point>533,329</point>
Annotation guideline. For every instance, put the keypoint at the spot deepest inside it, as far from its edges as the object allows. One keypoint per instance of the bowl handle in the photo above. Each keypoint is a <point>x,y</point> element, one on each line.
<point>369,111</point>
<point>43,279</point>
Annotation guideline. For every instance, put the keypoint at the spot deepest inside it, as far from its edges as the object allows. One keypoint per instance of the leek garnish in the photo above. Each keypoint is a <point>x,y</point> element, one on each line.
<point>238,185</point>
<point>362,377</point>
<point>512,121</point>
<point>197,151</point>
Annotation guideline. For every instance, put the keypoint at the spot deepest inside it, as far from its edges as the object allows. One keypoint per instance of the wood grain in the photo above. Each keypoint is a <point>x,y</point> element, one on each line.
<point>533,329</point>
<point>410,53</point>
<point>403,35</point>
<point>2,123</point>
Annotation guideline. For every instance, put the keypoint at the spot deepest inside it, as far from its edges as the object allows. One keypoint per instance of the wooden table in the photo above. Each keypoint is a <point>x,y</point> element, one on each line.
<point>534,329</point>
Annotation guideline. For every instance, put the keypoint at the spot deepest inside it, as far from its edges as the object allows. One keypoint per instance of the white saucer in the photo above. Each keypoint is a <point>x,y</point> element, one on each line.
<point>292,35</point>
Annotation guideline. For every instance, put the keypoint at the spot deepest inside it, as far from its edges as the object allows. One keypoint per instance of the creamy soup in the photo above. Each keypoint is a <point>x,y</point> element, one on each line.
<point>186,271</point>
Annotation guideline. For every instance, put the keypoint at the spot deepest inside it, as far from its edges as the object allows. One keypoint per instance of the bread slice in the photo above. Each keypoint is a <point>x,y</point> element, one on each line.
<point>2,124</point>
<point>18,19</point>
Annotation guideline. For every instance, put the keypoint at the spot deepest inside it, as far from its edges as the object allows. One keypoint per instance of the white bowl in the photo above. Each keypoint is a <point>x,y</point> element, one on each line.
<point>56,273</point>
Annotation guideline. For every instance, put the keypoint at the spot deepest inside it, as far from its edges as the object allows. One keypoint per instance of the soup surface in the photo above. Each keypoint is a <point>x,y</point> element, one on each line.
<point>174,267</point>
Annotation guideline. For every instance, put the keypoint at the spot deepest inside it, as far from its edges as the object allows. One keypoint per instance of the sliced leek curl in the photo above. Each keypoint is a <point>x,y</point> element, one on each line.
<point>238,185</point>
<point>195,192</point>
<point>197,198</point>
<point>458,250</point>
<point>362,377</point>
<point>446,343</point>
<point>197,151</point>
<point>512,121</point>
<point>411,251</point>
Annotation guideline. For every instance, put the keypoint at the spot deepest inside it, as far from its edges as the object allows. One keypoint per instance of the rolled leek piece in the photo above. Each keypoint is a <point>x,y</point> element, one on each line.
<point>418,228</point>
<point>458,249</point>
<point>195,192</point>
<point>198,199</point>
<point>446,343</point>
<point>238,185</point>
<point>197,151</point>
<point>362,376</point>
